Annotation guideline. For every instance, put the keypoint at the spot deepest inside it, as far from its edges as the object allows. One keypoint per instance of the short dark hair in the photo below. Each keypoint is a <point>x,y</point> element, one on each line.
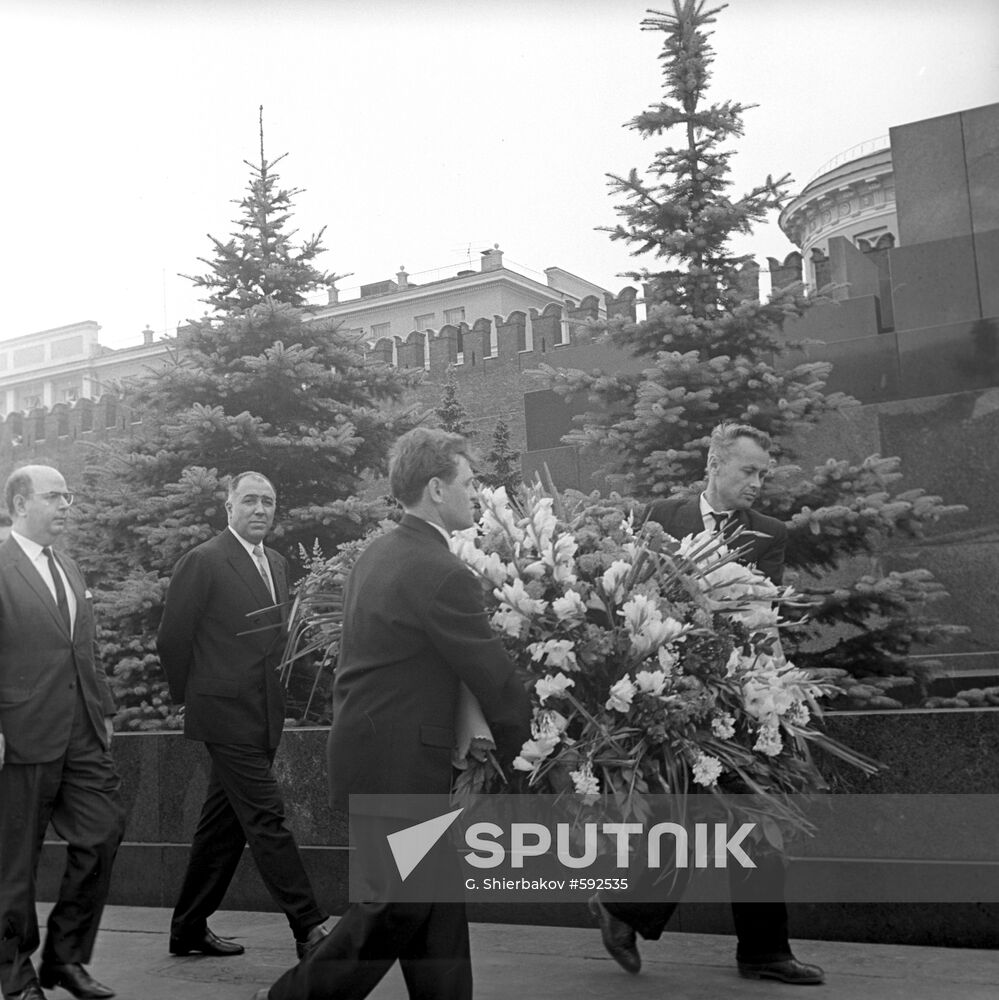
<point>726,434</point>
<point>19,484</point>
<point>422,454</point>
<point>235,480</point>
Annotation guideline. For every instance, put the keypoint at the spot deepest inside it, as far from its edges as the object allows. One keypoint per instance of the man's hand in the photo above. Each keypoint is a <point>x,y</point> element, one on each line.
<point>3,749</point>
<point>108,725</point>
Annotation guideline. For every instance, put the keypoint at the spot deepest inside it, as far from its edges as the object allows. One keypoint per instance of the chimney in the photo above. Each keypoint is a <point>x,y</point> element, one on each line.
<point>401,277</point>
<point>147,335</point>
<point>492,260</point>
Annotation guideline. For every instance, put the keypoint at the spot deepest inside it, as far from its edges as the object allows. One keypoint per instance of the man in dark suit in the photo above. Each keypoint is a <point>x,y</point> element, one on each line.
<point>414,629</point>
<point>738,462</point>
<point>220,643</point>
<point>55,739</point>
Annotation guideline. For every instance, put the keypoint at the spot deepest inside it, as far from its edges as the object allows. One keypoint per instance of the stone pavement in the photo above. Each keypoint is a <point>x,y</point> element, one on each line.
<point>516,962</point>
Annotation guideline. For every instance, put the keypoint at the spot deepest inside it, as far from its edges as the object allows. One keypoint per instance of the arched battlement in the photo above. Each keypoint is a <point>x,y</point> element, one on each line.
<point>51,434</point>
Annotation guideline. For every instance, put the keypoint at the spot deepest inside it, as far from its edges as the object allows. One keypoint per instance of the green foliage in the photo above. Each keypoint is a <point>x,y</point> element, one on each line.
<point>503,462</point>
<point>451,414</point>
<point>710,353</point>
<point>262,386</point>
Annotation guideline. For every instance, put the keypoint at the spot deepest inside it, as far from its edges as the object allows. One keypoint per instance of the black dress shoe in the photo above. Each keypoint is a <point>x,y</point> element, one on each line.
<point>30,992</point>
<point>787,970</point>
<point>311,943</point>
<point>205,943</point>
<point>75,979</point>
<point>618,937</point>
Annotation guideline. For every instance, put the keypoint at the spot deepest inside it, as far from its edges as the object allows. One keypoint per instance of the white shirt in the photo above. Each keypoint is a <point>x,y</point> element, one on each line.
<point>708,514</point>
<point>35,553</point>
<point>264,561</point>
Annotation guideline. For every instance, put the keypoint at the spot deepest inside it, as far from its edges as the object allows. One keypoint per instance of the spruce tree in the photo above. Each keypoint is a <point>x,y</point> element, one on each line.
<point>451,414</point>
<point>502,462</point>
<point>710,352</point>
<point>259,385</point>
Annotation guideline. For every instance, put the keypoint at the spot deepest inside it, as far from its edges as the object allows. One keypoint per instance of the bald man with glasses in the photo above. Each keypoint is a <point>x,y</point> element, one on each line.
<point>55,747</point>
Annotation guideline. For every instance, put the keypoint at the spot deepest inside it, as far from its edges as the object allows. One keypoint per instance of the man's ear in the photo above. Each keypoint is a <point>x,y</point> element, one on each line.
<point>433,490</point>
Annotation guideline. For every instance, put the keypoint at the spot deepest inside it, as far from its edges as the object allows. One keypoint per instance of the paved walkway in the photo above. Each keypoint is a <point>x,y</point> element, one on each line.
<point>514,962</point>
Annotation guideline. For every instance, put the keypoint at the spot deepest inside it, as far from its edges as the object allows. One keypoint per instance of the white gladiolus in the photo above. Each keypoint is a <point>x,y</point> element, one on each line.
<point>507,621</point>
<point>621,695</point>
<point>548,722</point>
<point>556,653</point>
<point>551,686</point>
<point>516,596</point>
<point>650,681</point>
<point>613,579</point>
<point>535,751</point>
<point>569,605</point>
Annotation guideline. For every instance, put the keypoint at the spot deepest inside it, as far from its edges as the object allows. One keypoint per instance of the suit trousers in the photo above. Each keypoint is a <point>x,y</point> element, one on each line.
<point>426,935</point>
<point>758,909</point>
<point>243,805</point>
<point>80,794</point>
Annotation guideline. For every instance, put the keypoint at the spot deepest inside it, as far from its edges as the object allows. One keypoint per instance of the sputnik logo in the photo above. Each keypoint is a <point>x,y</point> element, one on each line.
<point>410,846</point>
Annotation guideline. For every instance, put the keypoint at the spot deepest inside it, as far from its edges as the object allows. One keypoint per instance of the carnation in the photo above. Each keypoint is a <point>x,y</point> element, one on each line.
<point>707,770</point>
<point>723,726</point>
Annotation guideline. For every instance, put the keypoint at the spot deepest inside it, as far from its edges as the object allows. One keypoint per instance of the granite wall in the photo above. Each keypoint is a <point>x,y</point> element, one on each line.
<point>923,752</point>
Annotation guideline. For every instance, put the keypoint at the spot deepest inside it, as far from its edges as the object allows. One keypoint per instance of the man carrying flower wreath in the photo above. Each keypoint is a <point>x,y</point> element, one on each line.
<point>414,631</point>
<point>738,462</point>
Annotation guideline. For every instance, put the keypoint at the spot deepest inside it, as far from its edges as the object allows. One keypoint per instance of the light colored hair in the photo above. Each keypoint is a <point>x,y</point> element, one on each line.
<point>724,436</point>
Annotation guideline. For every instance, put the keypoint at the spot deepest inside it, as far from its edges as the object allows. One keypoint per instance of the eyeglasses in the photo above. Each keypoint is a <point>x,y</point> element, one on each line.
<point>54,495</point>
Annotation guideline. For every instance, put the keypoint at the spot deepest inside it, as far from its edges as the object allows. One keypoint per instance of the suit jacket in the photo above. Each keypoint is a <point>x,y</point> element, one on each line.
<point>414,628</point>
<point>228,682</point>
<point>682,516</point>
<point>41,666</point>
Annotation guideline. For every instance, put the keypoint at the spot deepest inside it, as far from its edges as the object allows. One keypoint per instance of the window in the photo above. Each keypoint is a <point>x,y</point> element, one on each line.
<point>424,322</point>
<point>380,330</point>
<point>453,317</point>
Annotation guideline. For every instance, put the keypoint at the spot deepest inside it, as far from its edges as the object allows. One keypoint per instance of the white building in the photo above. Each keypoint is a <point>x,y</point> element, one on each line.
<point>68,363</point>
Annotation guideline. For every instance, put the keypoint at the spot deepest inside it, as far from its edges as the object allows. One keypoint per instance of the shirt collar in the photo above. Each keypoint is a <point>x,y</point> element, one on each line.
<point>249,546</point>
<point>706,508</point>
<point>31,548</point>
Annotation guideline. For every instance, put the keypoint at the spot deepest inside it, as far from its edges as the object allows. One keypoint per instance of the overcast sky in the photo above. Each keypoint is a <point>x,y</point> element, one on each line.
<point>421,130</point>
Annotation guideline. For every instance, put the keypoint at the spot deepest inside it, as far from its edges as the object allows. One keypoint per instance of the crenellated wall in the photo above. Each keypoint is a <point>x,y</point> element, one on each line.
<point>495,360</point>
<point>63,435</point>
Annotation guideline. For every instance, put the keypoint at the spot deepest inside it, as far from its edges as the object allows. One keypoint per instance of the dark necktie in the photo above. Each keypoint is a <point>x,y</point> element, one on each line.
<point>721,520</point>
<point>59,588</point>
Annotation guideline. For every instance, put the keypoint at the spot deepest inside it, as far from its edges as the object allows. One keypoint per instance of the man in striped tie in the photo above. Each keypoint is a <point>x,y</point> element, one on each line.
<point>55,747</point>
<point>220,643</point>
